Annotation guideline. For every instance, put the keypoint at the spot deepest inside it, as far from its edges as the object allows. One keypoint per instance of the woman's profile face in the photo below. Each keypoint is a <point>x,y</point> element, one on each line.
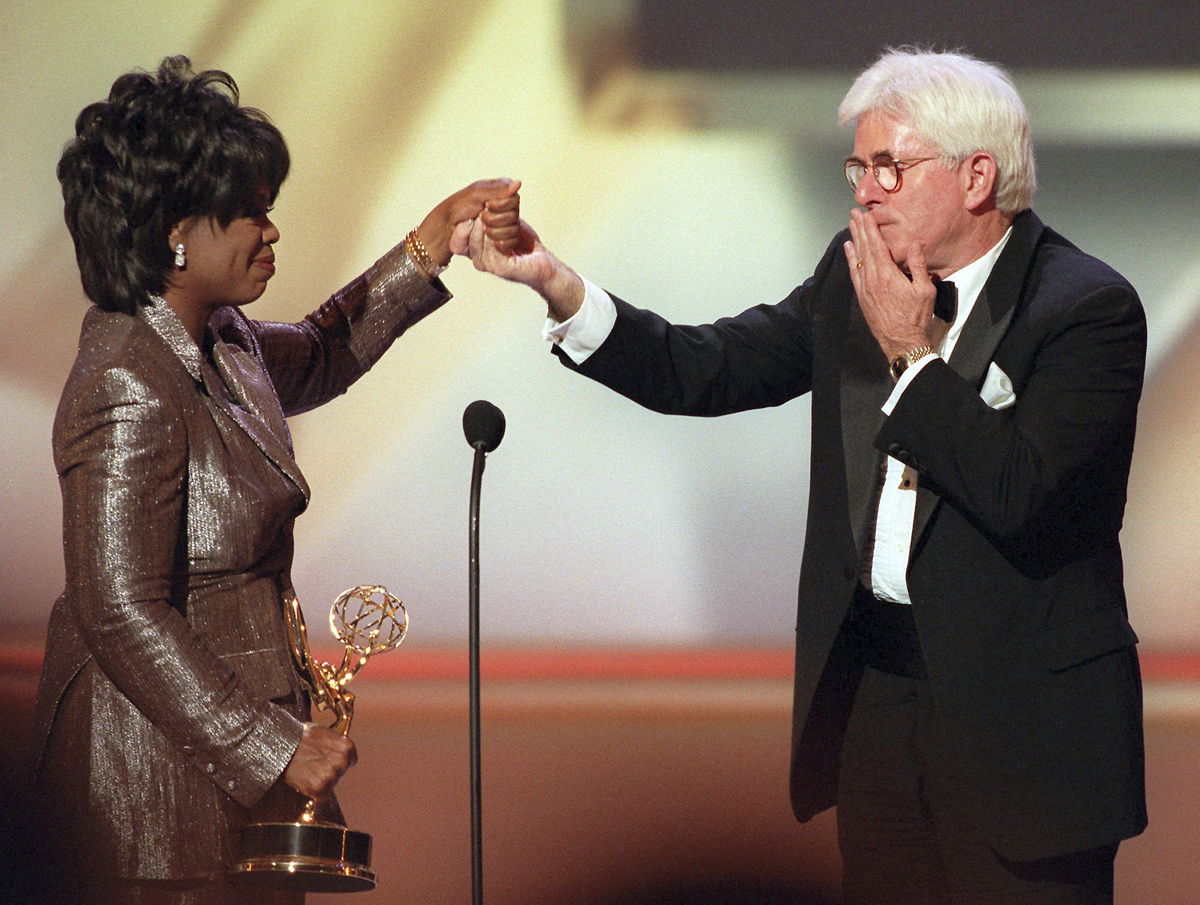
<point>227,265</point>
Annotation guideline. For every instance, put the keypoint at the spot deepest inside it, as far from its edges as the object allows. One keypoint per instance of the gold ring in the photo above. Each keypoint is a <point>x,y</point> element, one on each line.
<point>858,264</point>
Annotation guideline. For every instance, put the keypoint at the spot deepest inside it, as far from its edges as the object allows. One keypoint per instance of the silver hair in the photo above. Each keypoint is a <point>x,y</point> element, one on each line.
<point>957,103</point>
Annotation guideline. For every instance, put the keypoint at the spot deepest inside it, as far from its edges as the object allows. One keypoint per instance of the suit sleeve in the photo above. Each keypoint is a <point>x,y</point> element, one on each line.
<point>122,457</point>
<point>760,358</point>
<point>1054,465</point>
<point>319,358</point>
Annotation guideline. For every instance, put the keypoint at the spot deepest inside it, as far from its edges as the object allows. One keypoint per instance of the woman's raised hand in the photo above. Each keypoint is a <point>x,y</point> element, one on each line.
<point>494,202</point>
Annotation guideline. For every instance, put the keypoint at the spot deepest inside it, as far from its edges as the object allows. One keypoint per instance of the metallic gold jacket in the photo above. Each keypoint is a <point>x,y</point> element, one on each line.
<point>168,706</point>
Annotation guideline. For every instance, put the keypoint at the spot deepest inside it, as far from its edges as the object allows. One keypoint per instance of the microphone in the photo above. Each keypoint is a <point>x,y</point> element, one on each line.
<point>483,425</point>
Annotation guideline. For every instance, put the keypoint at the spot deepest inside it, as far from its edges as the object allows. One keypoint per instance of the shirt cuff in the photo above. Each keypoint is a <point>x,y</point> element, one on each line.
<point>905,379</point>
<point>583,332</point>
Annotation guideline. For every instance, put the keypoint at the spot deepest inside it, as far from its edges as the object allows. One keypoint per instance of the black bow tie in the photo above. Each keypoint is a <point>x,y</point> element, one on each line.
<point>945,304</point>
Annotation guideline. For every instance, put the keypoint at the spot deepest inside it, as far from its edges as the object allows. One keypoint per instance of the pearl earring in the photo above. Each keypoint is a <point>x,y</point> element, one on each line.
<point>180,257</point>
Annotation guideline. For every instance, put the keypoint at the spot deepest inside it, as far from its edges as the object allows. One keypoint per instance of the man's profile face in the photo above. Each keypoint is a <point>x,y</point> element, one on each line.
<point>928,205</point>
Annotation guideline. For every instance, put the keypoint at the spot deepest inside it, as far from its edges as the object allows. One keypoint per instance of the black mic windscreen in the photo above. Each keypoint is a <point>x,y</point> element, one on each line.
<point>483,425</point>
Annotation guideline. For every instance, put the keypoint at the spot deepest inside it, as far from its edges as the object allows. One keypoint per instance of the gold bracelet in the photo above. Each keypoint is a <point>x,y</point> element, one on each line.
<point>420,256</point>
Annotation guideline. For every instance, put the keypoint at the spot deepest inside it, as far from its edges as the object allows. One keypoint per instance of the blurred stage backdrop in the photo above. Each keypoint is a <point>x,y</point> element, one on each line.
<point>638,571</point>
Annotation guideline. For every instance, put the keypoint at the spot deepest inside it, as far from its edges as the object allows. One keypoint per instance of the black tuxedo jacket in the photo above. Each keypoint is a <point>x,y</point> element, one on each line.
<point>1015,573</point>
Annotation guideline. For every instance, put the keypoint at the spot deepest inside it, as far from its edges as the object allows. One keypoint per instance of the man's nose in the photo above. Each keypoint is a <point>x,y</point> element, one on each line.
<point>868,188</point>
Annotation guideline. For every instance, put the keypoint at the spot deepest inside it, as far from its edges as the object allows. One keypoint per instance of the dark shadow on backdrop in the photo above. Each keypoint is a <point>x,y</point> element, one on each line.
<point>849,34</point>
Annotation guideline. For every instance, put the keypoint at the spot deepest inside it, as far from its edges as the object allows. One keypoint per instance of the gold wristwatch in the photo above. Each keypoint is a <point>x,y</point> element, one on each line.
<point>906,360</point>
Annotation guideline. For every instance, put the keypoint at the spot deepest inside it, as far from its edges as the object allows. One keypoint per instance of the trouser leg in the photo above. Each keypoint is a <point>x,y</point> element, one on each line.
<point>907,833</point>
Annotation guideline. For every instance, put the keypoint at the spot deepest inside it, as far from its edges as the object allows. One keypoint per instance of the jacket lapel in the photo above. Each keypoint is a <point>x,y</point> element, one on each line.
<point>241,392</point>
<point>865,387</point>
<point>985,327</point>
<point>246,396</point>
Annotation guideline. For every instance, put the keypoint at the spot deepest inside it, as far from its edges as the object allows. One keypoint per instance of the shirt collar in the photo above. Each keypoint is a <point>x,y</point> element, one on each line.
<point>969,281</point>
<point>158,313</point>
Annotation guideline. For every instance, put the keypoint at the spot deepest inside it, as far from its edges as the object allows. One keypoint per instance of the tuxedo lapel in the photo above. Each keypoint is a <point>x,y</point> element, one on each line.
<point>985,327</point>
<point>865,387</point>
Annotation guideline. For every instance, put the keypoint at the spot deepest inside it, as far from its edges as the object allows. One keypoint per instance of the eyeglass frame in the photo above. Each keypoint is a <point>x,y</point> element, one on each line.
<point>899,166</point>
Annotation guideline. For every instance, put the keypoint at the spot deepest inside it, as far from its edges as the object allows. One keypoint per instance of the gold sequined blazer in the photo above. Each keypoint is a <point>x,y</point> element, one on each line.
<point>168,706</point>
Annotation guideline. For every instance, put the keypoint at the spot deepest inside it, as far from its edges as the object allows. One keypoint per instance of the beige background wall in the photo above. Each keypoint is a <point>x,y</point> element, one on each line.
<point>694,192</point>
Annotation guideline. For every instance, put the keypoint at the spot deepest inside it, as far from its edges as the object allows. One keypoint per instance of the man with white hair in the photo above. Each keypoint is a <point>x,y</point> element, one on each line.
<point>967,689</point>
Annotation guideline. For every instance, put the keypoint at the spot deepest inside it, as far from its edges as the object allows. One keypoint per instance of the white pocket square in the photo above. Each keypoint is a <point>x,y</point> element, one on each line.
<point>997,390</point>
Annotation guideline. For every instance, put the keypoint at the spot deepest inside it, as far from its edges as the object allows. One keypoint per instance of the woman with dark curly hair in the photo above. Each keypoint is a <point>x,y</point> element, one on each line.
<point>169,713</point>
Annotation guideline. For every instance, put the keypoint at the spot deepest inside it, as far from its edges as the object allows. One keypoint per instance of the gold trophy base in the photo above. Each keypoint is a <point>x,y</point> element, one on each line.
<point>313,857</point>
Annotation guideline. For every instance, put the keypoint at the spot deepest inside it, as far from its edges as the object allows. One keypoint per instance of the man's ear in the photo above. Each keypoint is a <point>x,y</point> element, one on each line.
<point>980,170</point>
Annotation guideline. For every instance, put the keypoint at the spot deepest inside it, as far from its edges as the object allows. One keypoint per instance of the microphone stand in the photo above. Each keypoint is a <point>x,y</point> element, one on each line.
<point>473,644</point>
<point>483,425</point>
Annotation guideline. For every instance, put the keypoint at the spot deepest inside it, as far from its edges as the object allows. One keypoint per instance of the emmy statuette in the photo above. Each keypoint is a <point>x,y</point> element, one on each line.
<point>311,854</point>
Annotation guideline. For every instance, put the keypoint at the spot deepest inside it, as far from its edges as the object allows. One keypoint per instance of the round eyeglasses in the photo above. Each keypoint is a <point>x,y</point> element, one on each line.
<point>886,170</point>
